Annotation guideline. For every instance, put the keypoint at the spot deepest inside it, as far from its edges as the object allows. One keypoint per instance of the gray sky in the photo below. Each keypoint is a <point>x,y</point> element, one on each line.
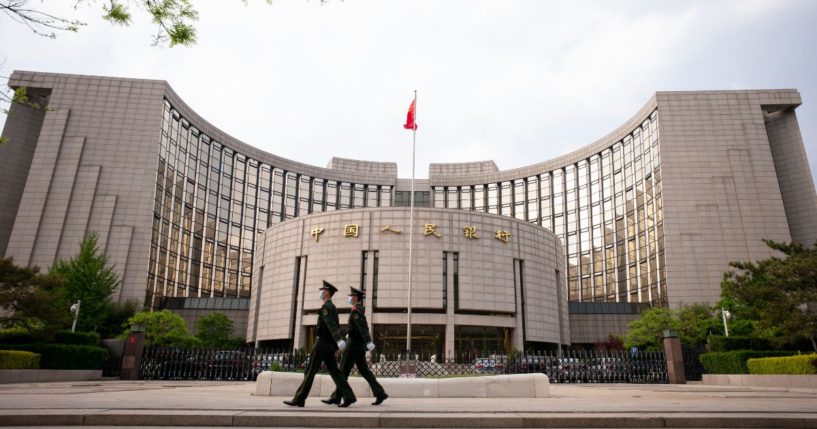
<point>518,82</point>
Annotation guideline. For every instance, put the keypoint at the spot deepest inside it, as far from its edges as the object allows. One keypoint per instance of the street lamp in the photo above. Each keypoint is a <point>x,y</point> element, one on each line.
<point>75,310</point>
<point>725,314</point>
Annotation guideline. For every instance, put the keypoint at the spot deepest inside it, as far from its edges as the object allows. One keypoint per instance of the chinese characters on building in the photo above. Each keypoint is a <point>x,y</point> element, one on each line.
<point>469,232</point>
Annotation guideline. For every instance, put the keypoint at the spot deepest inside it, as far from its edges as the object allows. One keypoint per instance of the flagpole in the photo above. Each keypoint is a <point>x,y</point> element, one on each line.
<point>411,229</point>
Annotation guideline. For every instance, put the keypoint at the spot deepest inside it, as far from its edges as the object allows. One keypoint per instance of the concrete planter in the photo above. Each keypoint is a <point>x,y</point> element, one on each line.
<point>48,375</point>
<point>495,386</point>
<point>804,381</point>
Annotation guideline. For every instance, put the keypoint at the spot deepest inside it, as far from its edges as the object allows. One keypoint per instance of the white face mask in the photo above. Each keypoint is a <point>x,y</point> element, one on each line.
<point>320,295</point>
<point>349,300</point>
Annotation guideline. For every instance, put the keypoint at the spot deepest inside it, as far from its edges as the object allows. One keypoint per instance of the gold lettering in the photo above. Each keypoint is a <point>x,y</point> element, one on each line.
<point>390,228</point>
<point>431,229</point>
<point>470,232</point>
<point>316,233</point>
<point>503,236</point>
<point>350,230</point>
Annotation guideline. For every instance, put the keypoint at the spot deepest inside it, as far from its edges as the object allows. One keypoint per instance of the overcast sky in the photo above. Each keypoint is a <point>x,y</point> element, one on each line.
<point>518,82</point>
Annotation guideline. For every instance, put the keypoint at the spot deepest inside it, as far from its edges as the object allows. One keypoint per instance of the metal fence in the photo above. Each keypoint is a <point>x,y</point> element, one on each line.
<point>111,366</point>
<point>165,363</point>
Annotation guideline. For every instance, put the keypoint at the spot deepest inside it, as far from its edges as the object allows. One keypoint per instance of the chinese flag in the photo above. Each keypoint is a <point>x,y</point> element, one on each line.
<point>410,124</point>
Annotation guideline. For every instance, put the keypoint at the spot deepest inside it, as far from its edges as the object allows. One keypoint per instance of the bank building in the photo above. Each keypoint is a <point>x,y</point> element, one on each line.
<point>561,252</point>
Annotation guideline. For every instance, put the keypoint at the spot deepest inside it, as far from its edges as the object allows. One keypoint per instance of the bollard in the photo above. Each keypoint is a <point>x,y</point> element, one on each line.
<point>675,357</point>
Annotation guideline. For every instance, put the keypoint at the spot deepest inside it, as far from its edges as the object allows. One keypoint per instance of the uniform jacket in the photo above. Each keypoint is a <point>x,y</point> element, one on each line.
<point>358,330</point>
<point>328,327</point>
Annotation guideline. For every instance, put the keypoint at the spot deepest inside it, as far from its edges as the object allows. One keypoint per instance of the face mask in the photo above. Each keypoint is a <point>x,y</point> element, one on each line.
<point>349,300</point>
<point>320,295</point>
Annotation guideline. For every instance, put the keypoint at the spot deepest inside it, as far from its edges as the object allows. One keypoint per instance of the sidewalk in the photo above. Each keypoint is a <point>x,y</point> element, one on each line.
<point>185,403</point>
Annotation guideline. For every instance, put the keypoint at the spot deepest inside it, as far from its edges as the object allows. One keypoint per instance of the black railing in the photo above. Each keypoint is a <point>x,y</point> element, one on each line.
<point>112,366</point>
<point>693,369</point>
<point>166,363</point>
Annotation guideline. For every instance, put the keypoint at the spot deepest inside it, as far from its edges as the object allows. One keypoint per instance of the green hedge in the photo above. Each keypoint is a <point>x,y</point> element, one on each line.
<point>803,364</point>
<point>64,356</point>
<point>77,338</point>
<point>720,343</point>
<point>17,359</point>
<point>15,336</point>
<point>734,362</point>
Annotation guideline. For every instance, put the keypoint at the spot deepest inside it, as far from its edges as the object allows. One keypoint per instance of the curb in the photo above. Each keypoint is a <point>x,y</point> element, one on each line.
<point>413,420</point>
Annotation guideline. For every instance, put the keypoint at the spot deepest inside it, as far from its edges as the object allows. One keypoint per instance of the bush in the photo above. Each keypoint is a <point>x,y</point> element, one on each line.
<point>77,338</point>
<point>734,362</point>
<point>720,343</point>
<point>804,364</point>
<point>15,336</point>
<point>17,359</point>
<point>64,356</point>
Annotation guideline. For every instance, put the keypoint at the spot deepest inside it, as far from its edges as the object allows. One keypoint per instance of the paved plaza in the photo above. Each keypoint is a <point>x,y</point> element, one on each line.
<point>224,404</point>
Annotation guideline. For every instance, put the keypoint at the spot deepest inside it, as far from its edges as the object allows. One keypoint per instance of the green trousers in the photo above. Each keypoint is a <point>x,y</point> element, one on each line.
<point>322,354</point>
<point>358,357</point>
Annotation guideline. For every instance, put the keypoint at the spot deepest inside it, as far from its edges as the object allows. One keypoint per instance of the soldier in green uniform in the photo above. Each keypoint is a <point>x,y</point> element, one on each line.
<point>355,354</point>
<point>327,343</point>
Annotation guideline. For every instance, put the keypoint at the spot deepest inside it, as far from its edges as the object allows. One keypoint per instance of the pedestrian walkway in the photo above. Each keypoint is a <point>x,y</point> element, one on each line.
<point>119,403</point>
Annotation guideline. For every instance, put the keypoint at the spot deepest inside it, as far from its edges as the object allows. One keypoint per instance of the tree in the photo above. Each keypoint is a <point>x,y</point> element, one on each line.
<point>692,322</point>
<point>31,300</point>
<point>116,316</point>
<point>214,330</point>
<point>19,96</point>
<point>778,293</point>
<point>163,328</point>
<point>695,322</point>
<point>173,18</point>
<point>646,332</point>
<point>89,278</point>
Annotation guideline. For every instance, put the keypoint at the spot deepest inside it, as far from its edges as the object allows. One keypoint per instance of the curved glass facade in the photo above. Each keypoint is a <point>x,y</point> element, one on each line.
<point>210,204</point>
<point>606,209</point>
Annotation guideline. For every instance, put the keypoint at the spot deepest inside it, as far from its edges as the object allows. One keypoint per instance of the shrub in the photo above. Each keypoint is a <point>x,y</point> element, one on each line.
<point>803,364</point>
<point>15,336</point>
<point>734,362</point>
<point>719,343</point>
<point>64,356</point>
<point>17,359</point>
<point>77,338</point>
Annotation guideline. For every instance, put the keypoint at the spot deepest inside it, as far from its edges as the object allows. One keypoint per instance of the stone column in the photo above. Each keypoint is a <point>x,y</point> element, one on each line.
<point>675,357</point>
<point>132,356</point>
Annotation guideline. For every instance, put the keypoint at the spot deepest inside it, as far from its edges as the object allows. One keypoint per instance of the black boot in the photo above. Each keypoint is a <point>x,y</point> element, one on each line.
<point>333,400</point>
<point>294,403</point>
<point>379,400</point>
<point>346,402</point>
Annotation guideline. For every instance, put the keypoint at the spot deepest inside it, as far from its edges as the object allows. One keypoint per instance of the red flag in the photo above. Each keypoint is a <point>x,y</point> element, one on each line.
<point>410,124</point>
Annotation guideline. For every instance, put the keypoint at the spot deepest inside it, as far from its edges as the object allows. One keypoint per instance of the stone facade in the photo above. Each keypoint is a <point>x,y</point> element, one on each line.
<point>456,280</point>
<point>651,213</point>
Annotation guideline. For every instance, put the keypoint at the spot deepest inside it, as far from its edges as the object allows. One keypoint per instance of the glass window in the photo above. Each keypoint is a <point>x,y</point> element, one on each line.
<point>439,197</point>
<point>331,195</point>
<point>317,195</point>
<point>465,198</point>
<point>345,195</point>
<point>371,196</point>
<point>358,196</point>
<point>493,198</point>
<point>506,199</point>
<point>304,192</point>
<point>479,198</point>
<point>453,198</point>
<point>385,196</point>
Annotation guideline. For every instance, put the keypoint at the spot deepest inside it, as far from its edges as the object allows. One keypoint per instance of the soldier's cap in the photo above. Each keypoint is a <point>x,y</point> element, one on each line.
<point>357,292</point>
<point>329,286</point>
